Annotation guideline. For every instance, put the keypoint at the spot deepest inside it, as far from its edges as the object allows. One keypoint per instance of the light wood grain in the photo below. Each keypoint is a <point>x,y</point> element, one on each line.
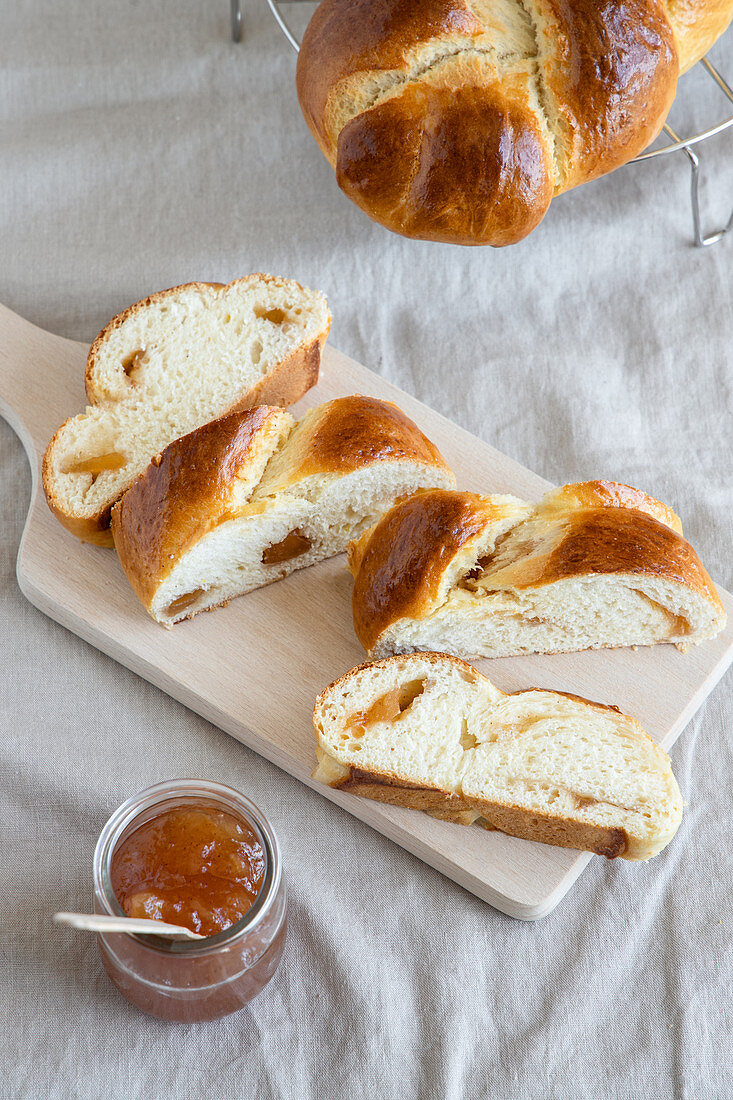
<point>298,632</point>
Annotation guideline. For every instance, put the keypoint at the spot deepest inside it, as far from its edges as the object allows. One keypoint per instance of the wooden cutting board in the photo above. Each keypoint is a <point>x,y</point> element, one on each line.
<point>254,668</point>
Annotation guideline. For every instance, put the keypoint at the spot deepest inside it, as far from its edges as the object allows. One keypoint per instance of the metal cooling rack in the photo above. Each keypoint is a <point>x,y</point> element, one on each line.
<point>677,144</point>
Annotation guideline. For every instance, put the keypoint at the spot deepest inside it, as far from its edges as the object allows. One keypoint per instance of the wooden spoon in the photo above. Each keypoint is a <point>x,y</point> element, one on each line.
<point>93,922</point>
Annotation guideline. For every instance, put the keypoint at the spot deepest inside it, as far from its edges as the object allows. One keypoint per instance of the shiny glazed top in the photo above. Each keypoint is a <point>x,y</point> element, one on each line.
<point>458,120</point>
<point>193,865</point>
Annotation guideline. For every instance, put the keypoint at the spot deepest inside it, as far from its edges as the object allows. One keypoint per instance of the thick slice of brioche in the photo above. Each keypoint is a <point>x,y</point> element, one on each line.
<point>593,565</point>
<point>246,500</point>
<point>429,732</point>
<point>169,364</point>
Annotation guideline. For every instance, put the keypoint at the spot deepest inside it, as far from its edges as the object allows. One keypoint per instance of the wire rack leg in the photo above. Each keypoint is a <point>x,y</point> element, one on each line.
<point>700,240</point>
<point>273,5</point>
<point>237,20</point>
<point>711,238</point>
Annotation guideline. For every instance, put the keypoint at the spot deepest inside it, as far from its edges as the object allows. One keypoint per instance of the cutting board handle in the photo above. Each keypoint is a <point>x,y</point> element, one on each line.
<point>37,373</point>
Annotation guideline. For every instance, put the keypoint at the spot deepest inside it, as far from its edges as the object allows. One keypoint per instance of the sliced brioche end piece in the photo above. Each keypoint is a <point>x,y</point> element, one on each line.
<point>65,495</point>
<point>428,731</point>
<point>169,364</point>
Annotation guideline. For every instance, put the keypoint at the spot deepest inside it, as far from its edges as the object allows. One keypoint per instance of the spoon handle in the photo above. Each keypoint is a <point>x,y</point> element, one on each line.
<point>93,922</point>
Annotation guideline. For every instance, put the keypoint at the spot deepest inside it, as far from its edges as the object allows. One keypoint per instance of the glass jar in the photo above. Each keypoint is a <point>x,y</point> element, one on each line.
<point>189,980</point>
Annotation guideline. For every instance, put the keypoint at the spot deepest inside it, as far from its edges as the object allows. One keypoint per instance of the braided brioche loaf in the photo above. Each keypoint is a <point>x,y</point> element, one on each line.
<point>458,120</point>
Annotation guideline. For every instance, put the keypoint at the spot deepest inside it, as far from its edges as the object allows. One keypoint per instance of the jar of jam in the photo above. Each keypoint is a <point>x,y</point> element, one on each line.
<point>202,855</point>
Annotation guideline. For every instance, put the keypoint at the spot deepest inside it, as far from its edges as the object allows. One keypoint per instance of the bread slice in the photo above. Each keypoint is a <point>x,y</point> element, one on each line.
<point>169,364</point>
<point>594,564</point>
<point>429,732</point>
<point>245,500</point>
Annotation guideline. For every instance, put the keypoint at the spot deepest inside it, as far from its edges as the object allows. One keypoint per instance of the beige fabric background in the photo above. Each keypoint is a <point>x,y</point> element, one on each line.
<point>140,148</point>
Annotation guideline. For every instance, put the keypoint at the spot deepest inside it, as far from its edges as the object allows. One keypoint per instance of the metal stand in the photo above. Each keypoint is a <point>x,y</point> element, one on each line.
<point>686,145</point>
<point>237,20</point>
<point>677,143</point>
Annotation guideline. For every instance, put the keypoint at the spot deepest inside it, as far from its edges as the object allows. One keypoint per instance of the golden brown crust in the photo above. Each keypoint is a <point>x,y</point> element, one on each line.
<point>440,126</point>
<point>446,807</point>
<point>513,820</point>
<point>350,433</point>
<point>697,25</point>
<point>606,541</point>
<point>403,560</point>
<point>553,829</point>
<point>183,493</point>
<point>609,494</point>
<point>611,70</point>
<point>398,566</point>
<point>465,165</point>
<point>291,379</point>
<point>352,36</point>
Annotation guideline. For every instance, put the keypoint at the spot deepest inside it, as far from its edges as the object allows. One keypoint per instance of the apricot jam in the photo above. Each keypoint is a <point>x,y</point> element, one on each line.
<point>202,855</point>
<point>194,865</point>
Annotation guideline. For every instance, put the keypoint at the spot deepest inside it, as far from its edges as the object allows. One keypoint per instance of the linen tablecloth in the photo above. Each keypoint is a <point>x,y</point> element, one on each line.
<point>140,149</point>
